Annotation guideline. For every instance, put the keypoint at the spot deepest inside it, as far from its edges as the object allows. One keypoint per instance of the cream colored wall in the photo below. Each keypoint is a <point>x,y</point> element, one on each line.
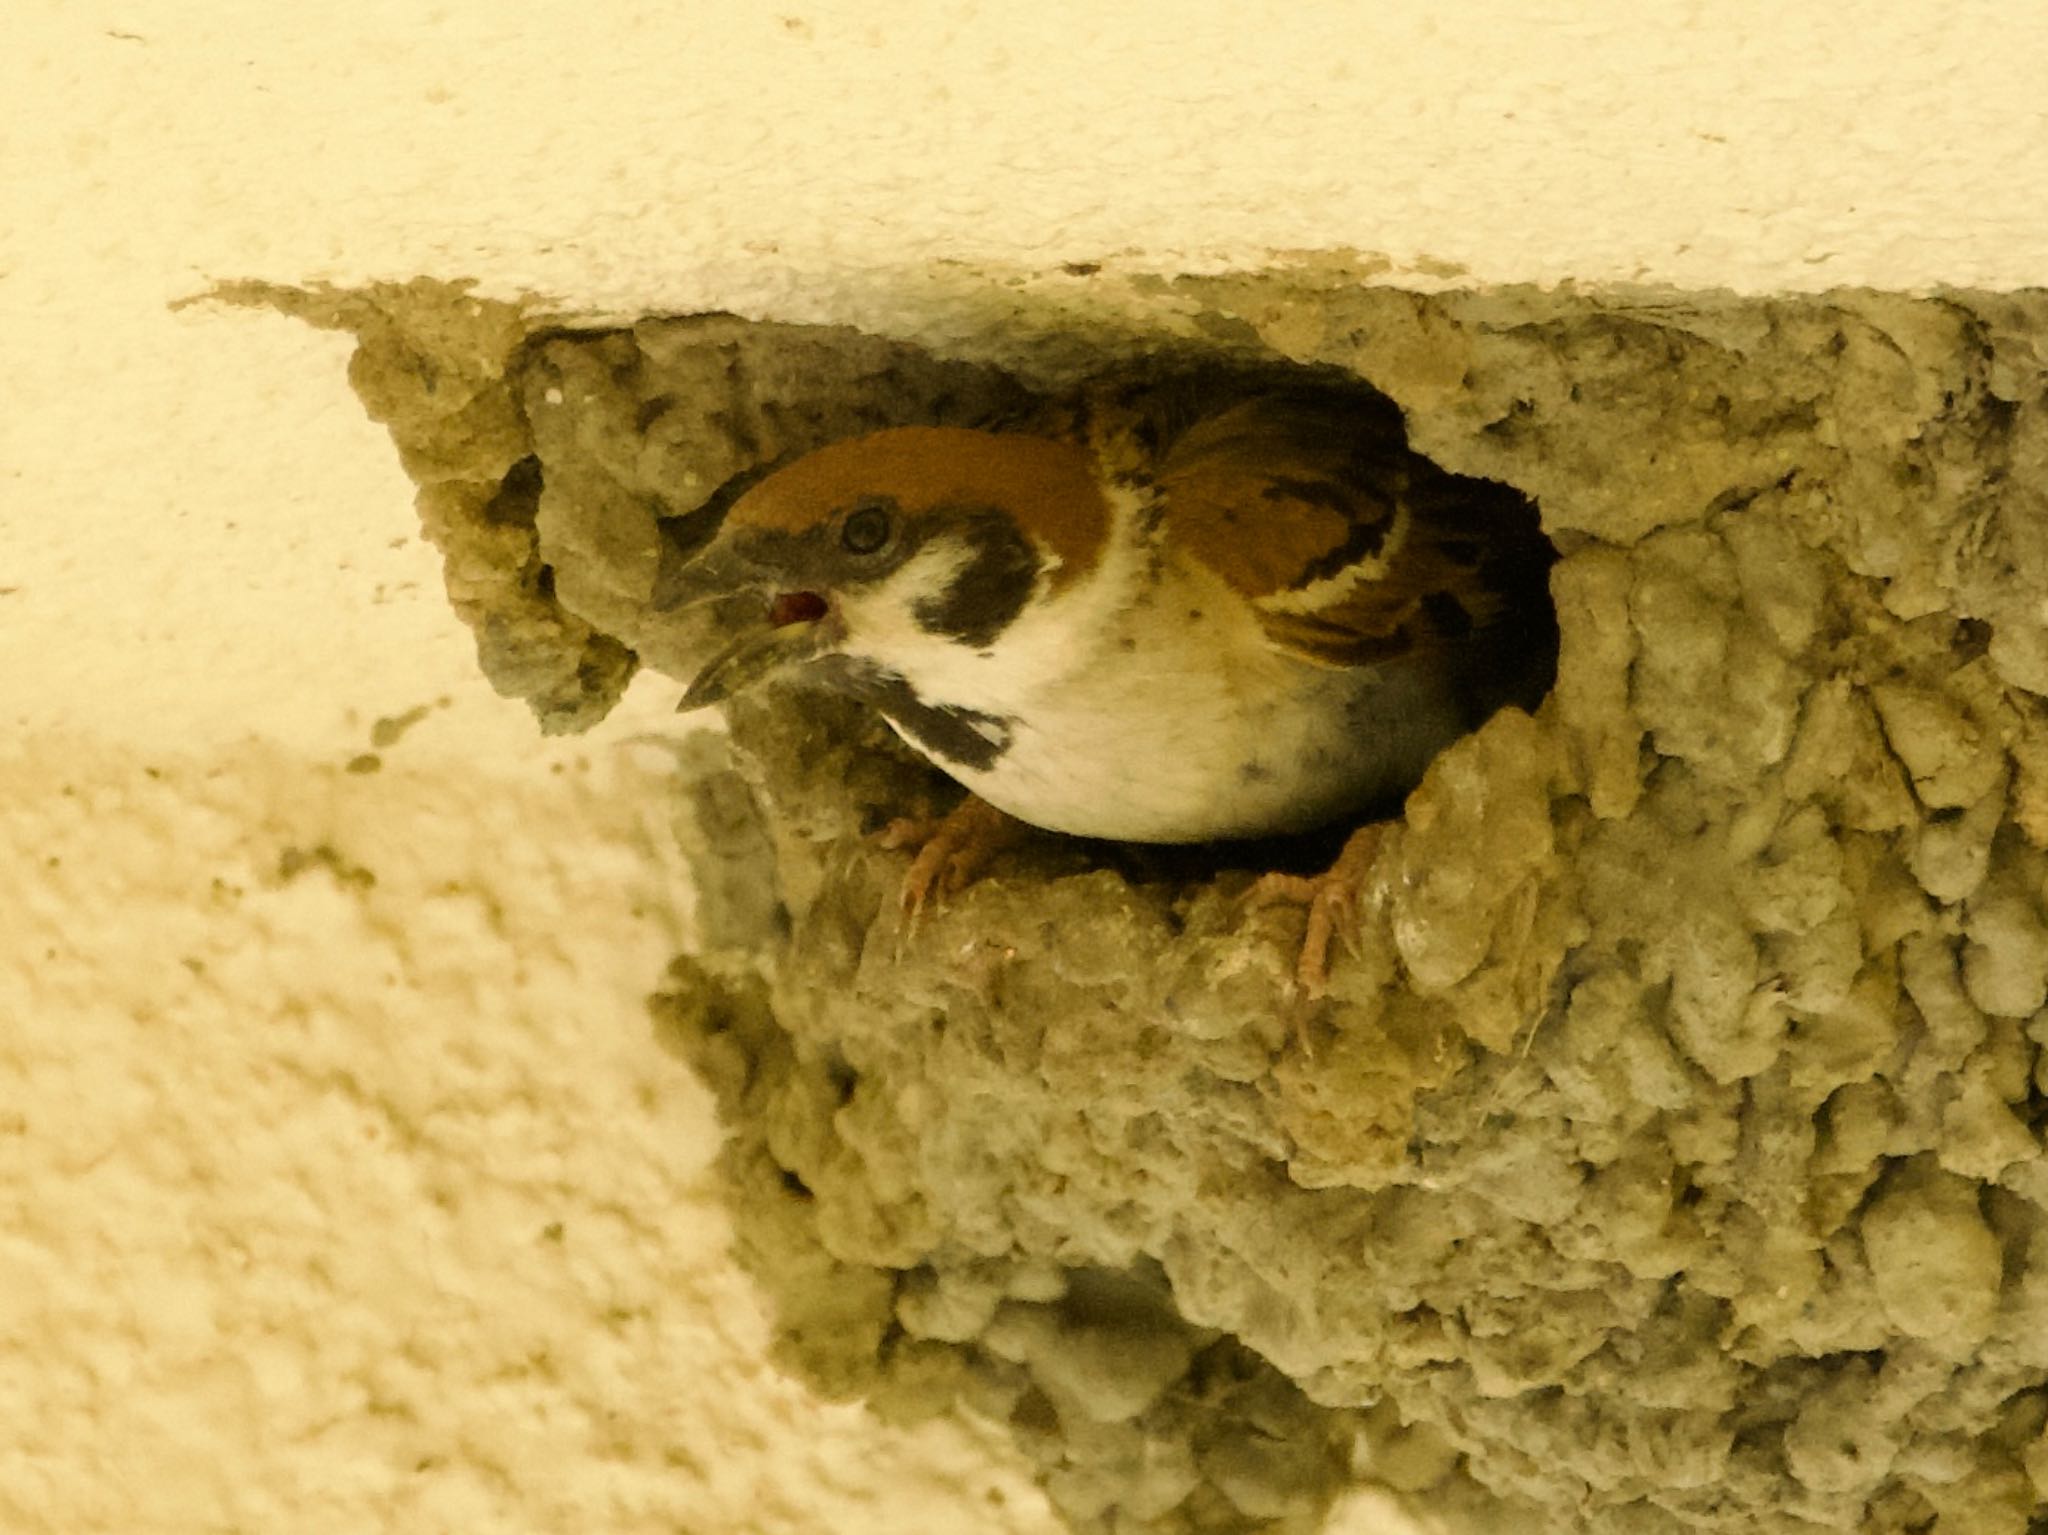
<point>344,1186</point>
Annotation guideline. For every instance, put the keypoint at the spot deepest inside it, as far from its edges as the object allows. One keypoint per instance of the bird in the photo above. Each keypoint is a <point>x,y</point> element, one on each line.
<point>1196,604</point>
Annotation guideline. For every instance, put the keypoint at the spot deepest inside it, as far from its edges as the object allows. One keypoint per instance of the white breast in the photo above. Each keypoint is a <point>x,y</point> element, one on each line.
<point>1175,719</point>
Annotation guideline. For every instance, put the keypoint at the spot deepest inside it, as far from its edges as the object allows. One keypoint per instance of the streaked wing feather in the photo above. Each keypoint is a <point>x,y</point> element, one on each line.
<point>1354,548</point>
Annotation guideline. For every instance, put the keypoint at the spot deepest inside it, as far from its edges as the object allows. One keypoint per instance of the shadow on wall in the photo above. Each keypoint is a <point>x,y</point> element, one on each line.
<point>1666,1155</point>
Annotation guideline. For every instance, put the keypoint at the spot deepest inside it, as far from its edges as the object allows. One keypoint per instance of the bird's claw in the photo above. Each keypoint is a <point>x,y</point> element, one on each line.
<point>1332,899</point>
<point>952,850</point>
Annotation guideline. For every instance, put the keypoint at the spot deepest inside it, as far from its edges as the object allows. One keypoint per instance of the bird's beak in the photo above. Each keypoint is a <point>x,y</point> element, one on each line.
<point>700,567</point>
<point>789,632</point>
<point>690,578</point>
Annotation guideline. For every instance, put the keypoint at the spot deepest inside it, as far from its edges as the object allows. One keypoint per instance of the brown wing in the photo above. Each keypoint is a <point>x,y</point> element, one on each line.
<point>1354,548</point>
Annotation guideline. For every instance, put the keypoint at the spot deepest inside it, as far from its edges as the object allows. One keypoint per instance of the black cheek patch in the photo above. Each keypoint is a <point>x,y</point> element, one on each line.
<point>993,586</point>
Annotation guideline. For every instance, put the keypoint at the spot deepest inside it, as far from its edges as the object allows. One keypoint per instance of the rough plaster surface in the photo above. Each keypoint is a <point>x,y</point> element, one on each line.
<point>1669,1155</point>
<point>338,1198</point>
<point>778,153</point>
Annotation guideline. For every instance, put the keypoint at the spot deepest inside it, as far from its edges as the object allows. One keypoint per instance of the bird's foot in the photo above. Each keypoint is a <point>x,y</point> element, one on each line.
<point>952,849</point>
<point>1332,899</point>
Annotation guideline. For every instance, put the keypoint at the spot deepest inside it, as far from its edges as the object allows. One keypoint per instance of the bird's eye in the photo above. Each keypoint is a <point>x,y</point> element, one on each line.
<point>866,529</point>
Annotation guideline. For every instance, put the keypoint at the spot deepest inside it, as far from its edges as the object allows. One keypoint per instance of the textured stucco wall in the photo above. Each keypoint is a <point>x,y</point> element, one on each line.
<point>344,1188</point>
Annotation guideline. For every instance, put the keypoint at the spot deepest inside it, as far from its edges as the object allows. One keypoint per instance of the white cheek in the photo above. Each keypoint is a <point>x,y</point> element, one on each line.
<point>880,622</point>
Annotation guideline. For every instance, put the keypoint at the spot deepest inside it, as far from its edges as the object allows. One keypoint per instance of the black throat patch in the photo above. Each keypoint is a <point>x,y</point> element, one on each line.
<point>991,588</point>
<point>946,732</point>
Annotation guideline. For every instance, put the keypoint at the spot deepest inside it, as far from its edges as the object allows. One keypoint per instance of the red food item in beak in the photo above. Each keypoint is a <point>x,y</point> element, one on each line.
<point>795,608</point>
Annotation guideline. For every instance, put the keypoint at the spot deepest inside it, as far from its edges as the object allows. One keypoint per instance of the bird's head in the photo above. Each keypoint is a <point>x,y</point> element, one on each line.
<point>893,552</point>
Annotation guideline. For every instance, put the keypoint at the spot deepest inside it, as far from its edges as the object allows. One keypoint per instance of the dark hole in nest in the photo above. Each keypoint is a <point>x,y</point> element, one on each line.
<point>516,501</point>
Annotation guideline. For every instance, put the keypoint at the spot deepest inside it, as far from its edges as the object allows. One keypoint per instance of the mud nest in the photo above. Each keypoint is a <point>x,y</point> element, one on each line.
<point>1668,1156</point>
